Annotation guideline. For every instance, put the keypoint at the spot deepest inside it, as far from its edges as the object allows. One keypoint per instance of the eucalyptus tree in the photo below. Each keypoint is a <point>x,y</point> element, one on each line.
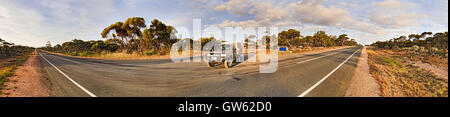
<point>415,37</point>
<point>159,35</point>
<point>133,27</point>
<point>425,34</point>
<point>118,31</point>
<point>342,39</point>
<point>129,32</point>
<point>321,38</point>
<point>8,49</point>
<point>286,38</point>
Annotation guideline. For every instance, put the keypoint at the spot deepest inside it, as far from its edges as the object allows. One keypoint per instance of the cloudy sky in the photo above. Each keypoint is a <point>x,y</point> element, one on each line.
<point>34,22</point>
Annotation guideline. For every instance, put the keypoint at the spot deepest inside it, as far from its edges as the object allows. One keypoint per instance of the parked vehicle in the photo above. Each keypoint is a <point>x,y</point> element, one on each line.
<point>225,57</point>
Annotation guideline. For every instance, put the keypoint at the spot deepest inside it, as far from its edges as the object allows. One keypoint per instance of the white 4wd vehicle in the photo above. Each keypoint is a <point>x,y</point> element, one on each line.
<point>224,56</point>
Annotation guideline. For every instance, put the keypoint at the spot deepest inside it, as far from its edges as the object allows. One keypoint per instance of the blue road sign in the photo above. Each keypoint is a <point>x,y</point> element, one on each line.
<point>283,49</point>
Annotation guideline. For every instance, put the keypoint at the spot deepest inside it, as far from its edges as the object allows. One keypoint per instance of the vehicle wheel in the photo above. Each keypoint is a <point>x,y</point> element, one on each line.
<point>227,64</point>
<point>210,64</point>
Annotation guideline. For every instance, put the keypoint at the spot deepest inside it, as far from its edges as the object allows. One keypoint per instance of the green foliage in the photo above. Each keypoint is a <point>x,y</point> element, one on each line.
<point>84,48</point>
<point>292,38</point>
<point>11,50</point>
<point>433,50</point>
<point>438,40</point>
<point>342,39</point>
<point>158,36</point>
<point>434,45</point>
<point>8,69</point>
<point>150,52</point>
<point>5,73</point>
<point>391,62</point>
<point>129,32</point>
<point>415,48</point>
<point>204,41</point>
<point>21,53</point>
<point>289,38</point>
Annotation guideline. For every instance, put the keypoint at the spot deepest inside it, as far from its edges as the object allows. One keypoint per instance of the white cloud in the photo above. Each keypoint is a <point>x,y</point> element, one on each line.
<point>80,11</point>
<point>265,10</point>
<point>248,23</point>
<point>16,25</point>
<point>395,14</point>
<point>239,7</point>
<point>63,21</point>
<point>389,4</point>
<point>348,5</point>
<point>222,7</point>
<point>316,13</point>
<point>303,12</point>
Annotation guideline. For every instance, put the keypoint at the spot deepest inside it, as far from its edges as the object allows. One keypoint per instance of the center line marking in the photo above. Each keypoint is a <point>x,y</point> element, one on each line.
<point>318,57</point>
<point>81,87</point>
<point>328,75</point>
<point>67,59</point>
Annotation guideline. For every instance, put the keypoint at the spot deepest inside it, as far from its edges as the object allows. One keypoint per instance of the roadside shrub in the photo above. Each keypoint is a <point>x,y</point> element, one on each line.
<point>407,48</point>
<point>415,48</point>
<point>82,54</point>
<point>74,54</point>
<point>129,51</point>
<point>395,47</point>
<point>442,53</point>
<point>150,52</point>
<point>433,50</point>
<point>422,49</point>
<point>5,73</point>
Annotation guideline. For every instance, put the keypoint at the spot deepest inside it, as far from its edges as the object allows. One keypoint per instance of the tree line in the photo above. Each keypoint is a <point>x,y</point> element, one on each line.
<point>293,39</point>
<point>8,49</point>
<point>78,47</point>
<point>133,35</point>
<point>426,39</point>
<point>128,36</point>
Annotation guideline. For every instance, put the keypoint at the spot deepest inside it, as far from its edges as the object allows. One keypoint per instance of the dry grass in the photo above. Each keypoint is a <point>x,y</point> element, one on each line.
<point>420,56</point>
<point>5,73</point>
<point>7,69</point>
<point>397,78</point>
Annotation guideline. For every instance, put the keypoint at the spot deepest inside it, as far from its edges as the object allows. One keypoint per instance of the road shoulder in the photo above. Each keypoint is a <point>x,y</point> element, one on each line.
<point>363,84</point>
<point>28,81</point>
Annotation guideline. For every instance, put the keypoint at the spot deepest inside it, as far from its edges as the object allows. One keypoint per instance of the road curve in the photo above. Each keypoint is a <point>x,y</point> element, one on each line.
<point>325,74</point>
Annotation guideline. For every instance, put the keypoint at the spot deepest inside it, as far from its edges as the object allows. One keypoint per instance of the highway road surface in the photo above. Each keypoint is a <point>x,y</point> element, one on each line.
<point>325,74</point>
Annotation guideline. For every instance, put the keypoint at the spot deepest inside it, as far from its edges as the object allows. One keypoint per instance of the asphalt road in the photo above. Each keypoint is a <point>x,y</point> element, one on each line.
<point>325,74</point>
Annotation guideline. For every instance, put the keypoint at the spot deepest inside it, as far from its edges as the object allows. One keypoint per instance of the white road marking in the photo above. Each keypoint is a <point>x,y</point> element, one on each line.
<point>80,62</point>
<point>328,75</point>
<point>67,60</point>
<point>81,87</point>
<point>318,57</point>
<point>127,64</point>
